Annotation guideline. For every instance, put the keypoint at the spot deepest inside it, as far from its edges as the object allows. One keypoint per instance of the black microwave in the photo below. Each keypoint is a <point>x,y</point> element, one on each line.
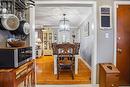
<point>14,57</point>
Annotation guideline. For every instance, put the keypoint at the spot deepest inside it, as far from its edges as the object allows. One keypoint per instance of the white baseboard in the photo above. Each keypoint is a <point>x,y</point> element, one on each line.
<point>85,63</point>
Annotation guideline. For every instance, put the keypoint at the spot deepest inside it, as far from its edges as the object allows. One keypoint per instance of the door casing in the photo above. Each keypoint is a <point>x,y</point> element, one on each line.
<point>94,5</point>
<point>116,3</point>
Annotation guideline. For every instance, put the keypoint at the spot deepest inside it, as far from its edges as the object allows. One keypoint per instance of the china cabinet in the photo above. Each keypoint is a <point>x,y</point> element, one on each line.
<point>47,41</point>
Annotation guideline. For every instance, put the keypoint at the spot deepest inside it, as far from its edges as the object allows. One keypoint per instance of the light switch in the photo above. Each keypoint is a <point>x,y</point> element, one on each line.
<point>106,35</point>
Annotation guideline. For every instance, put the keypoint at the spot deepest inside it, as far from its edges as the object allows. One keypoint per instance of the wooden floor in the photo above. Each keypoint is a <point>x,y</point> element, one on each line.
<point>45,74</point>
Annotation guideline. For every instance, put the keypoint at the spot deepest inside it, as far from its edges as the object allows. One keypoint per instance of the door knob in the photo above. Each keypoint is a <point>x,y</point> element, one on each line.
<point>112,85</point>
<point>118,38</point>
<point>119,50</point>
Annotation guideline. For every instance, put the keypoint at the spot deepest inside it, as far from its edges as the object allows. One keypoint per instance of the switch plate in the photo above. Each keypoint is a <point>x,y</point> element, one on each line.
<point>106,35</point>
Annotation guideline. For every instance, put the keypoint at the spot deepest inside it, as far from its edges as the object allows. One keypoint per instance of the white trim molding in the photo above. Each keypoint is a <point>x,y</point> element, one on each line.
<point>116,3</point>
<point>64,2</point>
<point>32,30</point>
<point>85,63</point>
<point>84,3</point>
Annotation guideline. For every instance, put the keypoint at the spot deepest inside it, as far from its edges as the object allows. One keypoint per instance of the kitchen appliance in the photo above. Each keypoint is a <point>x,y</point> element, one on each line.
<point>14,57</point>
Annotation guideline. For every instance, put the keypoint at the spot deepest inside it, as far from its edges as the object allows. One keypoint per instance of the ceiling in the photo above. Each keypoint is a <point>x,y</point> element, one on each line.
<point>50,16</point>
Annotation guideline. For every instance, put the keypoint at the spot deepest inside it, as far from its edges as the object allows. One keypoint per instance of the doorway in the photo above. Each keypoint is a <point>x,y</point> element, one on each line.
<point>93,3</point>
<point>122,40</point>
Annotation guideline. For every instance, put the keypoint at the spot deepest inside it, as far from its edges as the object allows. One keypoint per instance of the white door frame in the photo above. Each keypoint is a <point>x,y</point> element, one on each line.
<point>32,30</point>
<point>93,3</point>
<point>116,3</point>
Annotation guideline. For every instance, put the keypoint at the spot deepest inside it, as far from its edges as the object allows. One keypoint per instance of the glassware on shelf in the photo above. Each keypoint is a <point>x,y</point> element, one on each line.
<point>47,41</point>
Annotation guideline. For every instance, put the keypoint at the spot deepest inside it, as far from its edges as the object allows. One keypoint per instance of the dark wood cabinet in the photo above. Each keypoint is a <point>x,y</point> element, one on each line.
<point>23,76</point>
<point>108,75</point>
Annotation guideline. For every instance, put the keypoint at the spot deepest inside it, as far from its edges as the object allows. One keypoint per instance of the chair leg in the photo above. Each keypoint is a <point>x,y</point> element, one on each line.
<point>72,76</point>
<point>72,72</point>
<point>58,76</point>
<point>57,73</point>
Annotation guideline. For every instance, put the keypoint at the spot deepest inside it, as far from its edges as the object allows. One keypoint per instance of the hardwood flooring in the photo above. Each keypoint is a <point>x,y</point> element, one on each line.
<point>84,85</point>
<point>81,85</point>
<point>45,73</point>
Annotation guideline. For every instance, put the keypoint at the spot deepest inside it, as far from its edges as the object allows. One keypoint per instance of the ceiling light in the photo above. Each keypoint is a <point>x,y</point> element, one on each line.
<point>64,24</point>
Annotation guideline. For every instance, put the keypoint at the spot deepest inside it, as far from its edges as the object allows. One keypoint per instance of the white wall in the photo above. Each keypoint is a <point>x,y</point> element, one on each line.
<point>87,39</point>
<point>77,36</point>
<point>4,35</point>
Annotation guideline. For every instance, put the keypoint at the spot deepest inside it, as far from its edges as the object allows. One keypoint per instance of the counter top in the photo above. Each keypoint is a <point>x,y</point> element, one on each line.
<point>18,68</point>
<point>13,47</point>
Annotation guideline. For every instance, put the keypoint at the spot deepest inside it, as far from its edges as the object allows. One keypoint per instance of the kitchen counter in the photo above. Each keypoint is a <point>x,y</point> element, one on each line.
<point>18,68</point>
<point>14,47</point>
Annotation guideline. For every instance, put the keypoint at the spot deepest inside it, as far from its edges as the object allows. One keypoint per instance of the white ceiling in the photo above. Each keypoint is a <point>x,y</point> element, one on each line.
<point>50,16</point>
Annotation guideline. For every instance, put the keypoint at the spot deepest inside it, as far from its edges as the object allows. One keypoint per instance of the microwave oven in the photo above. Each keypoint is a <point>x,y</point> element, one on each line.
<point>14,57</point>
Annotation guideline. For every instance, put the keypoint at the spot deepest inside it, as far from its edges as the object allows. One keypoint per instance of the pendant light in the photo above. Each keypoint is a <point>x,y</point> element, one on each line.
<point>64,24</point>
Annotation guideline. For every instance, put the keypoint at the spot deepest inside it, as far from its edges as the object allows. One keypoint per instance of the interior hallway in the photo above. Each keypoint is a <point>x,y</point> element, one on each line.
<point>45,73</point>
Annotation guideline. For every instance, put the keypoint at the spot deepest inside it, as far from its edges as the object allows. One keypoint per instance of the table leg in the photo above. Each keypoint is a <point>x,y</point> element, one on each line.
<point>55,64</point>
<point>76,64</point>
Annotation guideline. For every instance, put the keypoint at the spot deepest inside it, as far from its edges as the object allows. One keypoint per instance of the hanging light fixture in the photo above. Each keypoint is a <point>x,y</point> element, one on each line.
<point>64,24</point>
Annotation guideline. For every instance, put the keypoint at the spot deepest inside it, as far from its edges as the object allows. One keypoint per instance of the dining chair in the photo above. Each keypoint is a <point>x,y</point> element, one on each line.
<point>65,58</point>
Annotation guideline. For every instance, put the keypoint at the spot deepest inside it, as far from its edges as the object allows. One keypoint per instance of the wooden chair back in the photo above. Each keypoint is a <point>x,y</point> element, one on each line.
<point>66,50</point>
<point>65,58</point>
